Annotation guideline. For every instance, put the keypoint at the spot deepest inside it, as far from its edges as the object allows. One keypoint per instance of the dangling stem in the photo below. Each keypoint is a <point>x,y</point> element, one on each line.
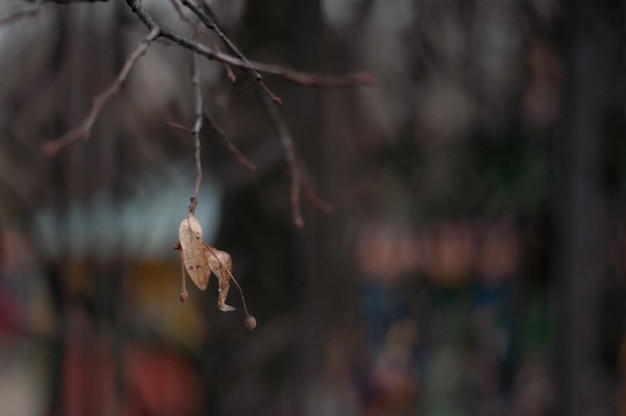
<point>198,104</point>
<point>183,292</point>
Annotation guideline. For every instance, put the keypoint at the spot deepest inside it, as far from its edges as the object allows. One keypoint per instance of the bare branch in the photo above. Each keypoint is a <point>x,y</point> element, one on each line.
<point>241,158</point>
<point>289,74</point>
<point>83,131</point>
<point>210,23</point>
<point>207,40</point>
<point>301,183</point>
<point>311,195</point>
<point>290,155</point>
<point>315,80</point>
<point>244,161</point>
<point>300,180</point>
<point>198,104</point>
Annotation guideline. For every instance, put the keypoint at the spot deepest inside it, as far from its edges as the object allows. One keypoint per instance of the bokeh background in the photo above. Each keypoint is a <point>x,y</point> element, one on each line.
<point>474,263</point>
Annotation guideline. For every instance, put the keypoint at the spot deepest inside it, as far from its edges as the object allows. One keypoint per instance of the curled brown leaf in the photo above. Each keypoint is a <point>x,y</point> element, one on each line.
<point>221,264</point>
<point>201,259</point>
<point>193,251</point>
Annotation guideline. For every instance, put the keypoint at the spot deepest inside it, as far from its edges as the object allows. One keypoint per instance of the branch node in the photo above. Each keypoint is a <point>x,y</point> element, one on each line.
<point>192,205</point>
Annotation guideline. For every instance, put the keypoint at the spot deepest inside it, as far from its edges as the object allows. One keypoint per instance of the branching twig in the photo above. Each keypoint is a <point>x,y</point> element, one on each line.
<point>84,129</point>
<point>210,23</point>
<point>241,158</point>
<point>207,40</point>
<point>300,180</point>
<point>290,155</point>
<point>303,78</point>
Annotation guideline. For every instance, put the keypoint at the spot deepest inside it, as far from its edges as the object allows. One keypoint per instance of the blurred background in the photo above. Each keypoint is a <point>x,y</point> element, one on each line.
<point>474,263</point>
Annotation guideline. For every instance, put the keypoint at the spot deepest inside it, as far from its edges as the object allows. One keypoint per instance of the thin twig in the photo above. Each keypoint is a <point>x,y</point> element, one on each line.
<point>183,287</point>
<point>210,23</point>
<point>300,180</point>
<point>207,40</point>
<point>180,127</point>
<point>315,80</point>
<point>83,131</point>
<point>183,291</point>
<point>311,195</point>
<point>229,144</point>
<point>298,77</point>
<point>195,82</point>
<point>290,155</point>
<point>241,158</point>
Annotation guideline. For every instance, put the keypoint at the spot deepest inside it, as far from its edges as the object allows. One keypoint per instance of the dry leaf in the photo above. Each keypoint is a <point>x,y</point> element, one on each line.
<point>194,254</point>
<point>221,264</point>
<point>200,260</point>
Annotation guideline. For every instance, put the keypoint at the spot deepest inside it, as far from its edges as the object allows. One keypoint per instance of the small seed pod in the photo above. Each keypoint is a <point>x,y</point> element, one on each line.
<point>250,322</point>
